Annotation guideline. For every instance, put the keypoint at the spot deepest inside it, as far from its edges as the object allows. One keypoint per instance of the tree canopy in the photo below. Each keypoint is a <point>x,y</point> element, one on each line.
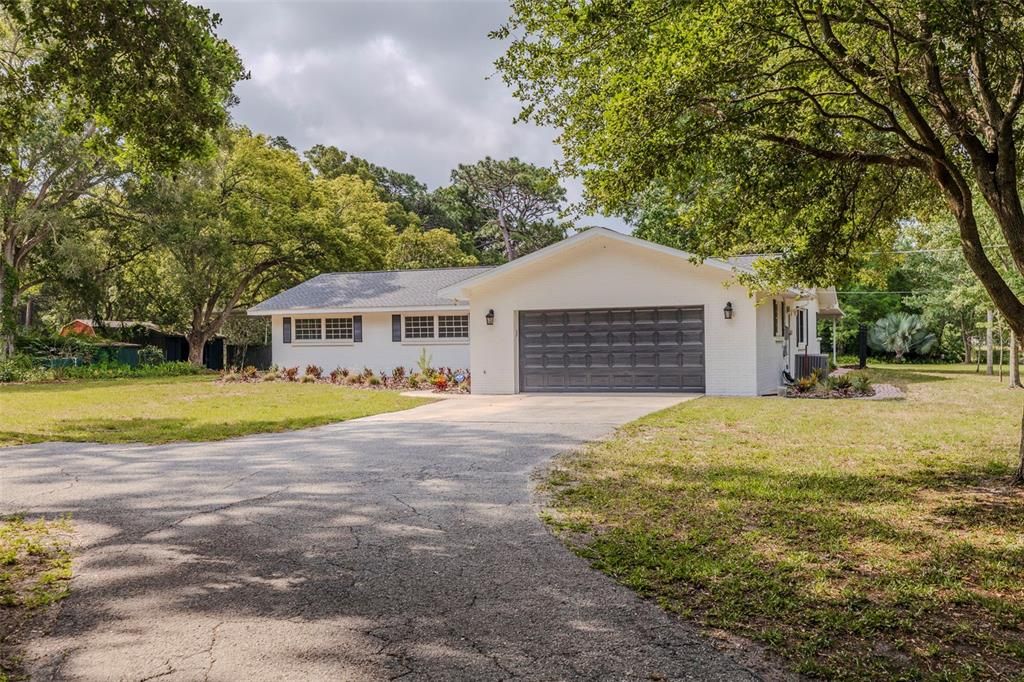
<point>89,91</point>
<point>802,127</point>
<point>521,202</point>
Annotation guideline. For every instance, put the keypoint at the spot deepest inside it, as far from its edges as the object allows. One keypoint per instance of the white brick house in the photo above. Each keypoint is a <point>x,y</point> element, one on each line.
<point>599,311</point>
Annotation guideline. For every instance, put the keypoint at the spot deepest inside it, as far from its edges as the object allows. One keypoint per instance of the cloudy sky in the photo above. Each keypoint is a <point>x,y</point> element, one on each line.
<point>410,85</point>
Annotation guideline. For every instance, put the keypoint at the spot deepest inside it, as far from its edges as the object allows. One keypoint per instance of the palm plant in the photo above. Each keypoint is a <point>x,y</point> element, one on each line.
<point>899,334</point>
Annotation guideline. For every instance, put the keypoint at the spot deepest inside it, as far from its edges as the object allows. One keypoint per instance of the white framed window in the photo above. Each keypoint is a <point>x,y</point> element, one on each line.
<point>338,328</point>
<point>453,326</point>
<point>419,327</point>
<point>308,329</point>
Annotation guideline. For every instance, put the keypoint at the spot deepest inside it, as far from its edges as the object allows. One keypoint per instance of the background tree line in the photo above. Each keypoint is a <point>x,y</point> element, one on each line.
<point>128,193</point>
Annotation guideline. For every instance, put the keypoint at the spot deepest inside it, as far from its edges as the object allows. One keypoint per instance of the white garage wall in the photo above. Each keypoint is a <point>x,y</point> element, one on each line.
<point>602,272</point>
<point>377,351</point>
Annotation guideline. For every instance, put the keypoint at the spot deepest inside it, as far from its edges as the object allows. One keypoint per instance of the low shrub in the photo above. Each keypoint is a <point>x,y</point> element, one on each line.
<point>398,374</point>
<point>15,368</point>
<point>413,381</point>
<point>355,379</point>
<point>338,375</point>
<point>805,384</point>
<point>839,382</point>
<point>314,371</point>
<point>291,373</point>
<point>270,375</point>
<point>250,373</point>
<point>308,379</point>
<point>861,383</point>
<point>118,370</point>
<point>367,372</point>
<point>440,381</point>
<point>150,355</point>
<point>231,377</point>
<point>374,381</point>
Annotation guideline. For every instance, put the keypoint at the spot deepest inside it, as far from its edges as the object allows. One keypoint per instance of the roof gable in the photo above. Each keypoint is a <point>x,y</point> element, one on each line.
<point>460,290</point>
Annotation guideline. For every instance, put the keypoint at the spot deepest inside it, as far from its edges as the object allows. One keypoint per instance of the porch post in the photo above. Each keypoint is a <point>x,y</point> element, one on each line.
<point>835,358</point>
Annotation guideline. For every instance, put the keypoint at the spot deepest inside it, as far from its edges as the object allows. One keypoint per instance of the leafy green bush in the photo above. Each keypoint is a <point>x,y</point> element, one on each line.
<point>50,346</point>
<point>117,370</point>
<point>805,384</point>
<point>15,368</point>
<point>150,355</point>
<point>900,334</point>
<point>839,382</point>
<point>861,383</point>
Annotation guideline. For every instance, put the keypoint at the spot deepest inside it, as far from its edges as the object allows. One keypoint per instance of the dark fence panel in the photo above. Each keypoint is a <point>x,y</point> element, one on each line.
<point>257,356</point>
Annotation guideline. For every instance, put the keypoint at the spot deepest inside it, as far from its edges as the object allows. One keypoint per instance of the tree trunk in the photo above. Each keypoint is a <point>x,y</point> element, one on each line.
<point>196,343</point>
<point>1014,361</point>
<point>1018,476</point>
<point>988,343</point>
<point>506,235</point>
<point>965,336</point>
<point>8,307</point>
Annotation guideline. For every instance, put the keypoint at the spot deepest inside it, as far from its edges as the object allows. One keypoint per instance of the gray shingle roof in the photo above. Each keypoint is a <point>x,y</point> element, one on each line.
<point>368,290</point>
<point>746,262</point>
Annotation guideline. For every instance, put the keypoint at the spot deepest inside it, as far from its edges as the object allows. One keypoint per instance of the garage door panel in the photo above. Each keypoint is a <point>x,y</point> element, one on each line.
<point>634,349</point>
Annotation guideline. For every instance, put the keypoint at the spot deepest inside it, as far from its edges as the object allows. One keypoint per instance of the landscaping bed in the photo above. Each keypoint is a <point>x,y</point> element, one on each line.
<point>438,379</point>
<point>859,540</point>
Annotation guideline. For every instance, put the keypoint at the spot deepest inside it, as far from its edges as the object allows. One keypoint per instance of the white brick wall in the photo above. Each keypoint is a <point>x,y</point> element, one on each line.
<point>377,351</point>
<point>609,273</point>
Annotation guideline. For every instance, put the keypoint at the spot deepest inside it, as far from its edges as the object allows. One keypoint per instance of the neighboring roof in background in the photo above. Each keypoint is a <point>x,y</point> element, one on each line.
<point>367,291</point>
<point>88,327</point>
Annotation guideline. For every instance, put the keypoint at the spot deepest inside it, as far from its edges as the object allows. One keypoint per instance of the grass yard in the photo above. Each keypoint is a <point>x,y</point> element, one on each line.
<point>191,408</point>
<point>859,540</point>
<point>35,571</point>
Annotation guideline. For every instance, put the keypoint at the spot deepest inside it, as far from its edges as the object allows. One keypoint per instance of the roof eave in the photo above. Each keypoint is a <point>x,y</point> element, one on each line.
<point>255,311</point>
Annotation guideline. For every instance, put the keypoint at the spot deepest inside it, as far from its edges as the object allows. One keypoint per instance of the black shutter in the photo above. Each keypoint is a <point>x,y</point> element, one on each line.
<point>775,318</point>
<point>357,328</point>
<point>396,328</point>
<point>287,330</point>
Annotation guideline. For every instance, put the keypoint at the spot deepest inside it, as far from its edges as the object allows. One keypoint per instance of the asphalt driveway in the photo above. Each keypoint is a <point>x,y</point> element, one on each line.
<point>402,545</point>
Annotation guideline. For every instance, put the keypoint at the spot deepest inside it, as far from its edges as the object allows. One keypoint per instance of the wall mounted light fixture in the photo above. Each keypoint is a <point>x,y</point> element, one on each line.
<point>728,310</point>
<point>490,317</point>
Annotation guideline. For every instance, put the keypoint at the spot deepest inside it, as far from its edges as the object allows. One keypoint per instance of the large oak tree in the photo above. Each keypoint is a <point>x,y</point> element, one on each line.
<point>804,126</point>
<point>89,91</point>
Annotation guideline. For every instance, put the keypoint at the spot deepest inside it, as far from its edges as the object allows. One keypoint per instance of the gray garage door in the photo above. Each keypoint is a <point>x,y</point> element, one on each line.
<point>625,349</point>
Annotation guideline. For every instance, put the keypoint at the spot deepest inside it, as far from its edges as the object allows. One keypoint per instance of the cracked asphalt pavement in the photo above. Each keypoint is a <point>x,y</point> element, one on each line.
<point>405,545</point>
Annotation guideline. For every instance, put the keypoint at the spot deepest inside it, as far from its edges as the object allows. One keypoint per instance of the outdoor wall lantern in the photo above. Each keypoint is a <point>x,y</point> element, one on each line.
<point>727,310</point>
<point>490,317</point>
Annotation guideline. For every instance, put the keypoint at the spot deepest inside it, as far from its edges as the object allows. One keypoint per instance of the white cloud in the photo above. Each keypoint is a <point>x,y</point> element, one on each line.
<point>404,85</point>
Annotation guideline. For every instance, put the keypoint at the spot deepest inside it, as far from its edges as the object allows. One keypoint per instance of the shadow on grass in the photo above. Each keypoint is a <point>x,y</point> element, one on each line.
<point>91,384</point>
<point>156,430</point>
<point>850,576</point>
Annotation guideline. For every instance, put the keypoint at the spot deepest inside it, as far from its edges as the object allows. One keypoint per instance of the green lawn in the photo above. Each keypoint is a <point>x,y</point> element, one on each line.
<point>193,408</point>
<point>857,539</point>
